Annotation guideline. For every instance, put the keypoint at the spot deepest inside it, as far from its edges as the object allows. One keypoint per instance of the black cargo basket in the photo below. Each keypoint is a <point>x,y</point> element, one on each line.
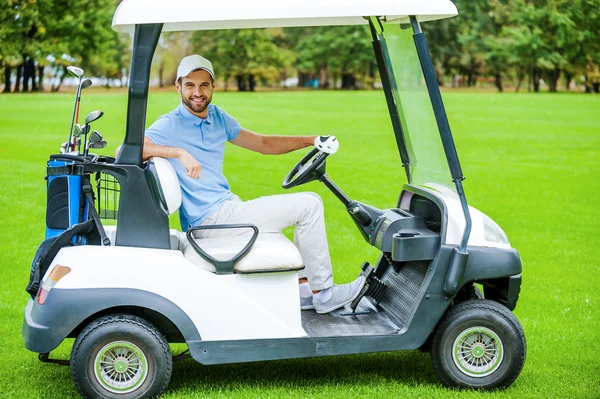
<point>107,192</point>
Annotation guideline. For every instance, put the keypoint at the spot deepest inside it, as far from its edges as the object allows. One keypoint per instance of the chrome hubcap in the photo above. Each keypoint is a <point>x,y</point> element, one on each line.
<point>477,351</point>
<point>121,367</point>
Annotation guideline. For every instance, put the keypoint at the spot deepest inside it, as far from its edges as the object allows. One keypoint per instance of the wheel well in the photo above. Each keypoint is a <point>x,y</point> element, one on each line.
<point>161,322</point>
<point>496,290</point>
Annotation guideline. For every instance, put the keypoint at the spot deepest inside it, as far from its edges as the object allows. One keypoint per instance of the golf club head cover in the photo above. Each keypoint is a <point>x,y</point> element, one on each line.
<point>327,144</point>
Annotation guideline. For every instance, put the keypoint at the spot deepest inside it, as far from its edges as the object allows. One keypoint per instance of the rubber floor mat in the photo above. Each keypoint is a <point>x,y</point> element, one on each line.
<point>335,324</point>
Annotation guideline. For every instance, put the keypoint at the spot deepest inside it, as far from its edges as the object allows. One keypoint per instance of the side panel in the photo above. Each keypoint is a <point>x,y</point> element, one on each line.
<point>221,306</point>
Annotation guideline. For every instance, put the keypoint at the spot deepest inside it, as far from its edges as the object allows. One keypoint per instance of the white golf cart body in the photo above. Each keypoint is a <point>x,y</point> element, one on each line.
<point>253,312</point>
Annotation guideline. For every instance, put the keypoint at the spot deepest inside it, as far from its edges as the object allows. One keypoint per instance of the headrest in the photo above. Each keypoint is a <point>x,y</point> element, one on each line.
<point>168,188</point>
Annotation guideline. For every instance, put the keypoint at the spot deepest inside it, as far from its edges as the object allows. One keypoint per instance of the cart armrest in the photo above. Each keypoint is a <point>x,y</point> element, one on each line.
<point>223,266</point>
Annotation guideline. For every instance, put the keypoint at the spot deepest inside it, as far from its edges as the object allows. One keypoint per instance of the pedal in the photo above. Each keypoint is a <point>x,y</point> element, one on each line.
<point>356,301</point>
<point>367,272</point>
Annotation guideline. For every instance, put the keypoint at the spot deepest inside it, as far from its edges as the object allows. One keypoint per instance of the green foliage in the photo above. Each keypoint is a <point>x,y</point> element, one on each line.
<point>242,53</point>
<point>60,33</point>
<point>272,54</point>
<point>541,38</point>
<point>340,50</point>
<point>81,30</point>
<point>18,30</point>
<point>505,39</point>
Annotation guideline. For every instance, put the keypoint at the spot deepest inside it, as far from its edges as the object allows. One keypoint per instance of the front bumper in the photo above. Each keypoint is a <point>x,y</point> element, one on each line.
<point>513,291</point>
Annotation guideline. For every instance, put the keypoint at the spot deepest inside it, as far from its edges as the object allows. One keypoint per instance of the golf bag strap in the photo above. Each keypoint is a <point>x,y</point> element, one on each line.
<point>41,266</point>
<point>59,170</point>
<point>87,189</point>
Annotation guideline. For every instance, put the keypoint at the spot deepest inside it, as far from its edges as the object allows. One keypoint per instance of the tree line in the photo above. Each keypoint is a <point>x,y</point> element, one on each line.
<point>517,43</point>
<point>36,35</point>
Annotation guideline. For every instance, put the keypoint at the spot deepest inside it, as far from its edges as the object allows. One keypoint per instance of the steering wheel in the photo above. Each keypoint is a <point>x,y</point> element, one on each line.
<point>311,167</point>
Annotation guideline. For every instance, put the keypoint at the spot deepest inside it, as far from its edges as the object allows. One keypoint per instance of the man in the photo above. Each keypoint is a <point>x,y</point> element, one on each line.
<point>192,138</point>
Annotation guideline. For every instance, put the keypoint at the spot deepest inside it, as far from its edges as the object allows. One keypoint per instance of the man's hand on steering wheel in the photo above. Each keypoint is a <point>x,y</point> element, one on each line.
<point>327,144</point>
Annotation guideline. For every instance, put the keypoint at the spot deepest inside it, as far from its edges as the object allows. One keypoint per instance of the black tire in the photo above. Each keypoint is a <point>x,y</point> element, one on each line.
<point>139,364</point>
<point>493,343</point>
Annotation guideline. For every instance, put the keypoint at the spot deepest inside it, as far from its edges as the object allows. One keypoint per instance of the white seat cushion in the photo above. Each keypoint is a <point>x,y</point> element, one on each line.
<point>271,252</point>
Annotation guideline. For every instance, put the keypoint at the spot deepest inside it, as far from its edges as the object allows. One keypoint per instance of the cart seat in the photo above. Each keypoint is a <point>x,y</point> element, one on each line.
<point>271,252</point>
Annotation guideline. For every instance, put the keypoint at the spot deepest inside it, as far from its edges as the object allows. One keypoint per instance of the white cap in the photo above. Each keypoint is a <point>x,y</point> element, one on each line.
<point>192,63</point>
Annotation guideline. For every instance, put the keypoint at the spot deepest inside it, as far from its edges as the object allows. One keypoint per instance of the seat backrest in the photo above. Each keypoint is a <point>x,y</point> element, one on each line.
<point>166,184</point>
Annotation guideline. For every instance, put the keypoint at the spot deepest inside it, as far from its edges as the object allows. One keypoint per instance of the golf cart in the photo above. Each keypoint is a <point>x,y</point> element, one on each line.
<point>107,286</point>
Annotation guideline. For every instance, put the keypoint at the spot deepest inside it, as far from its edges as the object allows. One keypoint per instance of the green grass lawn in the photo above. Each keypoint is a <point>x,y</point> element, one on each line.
<point>532,163</point>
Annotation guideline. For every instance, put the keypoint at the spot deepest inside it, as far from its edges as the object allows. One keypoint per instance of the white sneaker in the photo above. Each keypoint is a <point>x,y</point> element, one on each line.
<point>341,295</point>
<point>306,303</point>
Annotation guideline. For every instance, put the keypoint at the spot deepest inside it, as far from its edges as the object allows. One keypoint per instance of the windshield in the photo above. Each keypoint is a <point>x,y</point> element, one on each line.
<point>427,159</point>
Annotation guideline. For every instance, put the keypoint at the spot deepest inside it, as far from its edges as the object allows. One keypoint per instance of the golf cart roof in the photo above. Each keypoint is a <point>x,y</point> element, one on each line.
<point>183,15</point>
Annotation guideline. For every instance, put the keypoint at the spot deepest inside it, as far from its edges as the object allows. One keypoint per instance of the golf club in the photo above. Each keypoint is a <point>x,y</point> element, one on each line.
<point>77,130</point>
<point>77,72</point>
<point>84,85</point>
<point>91,117</point>
<point>95,141</point>
<point>98,145</point>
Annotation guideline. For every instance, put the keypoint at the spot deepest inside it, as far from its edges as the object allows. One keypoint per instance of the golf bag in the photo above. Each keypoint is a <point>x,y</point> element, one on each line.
<point>66,203</point>
<point>71,218</point>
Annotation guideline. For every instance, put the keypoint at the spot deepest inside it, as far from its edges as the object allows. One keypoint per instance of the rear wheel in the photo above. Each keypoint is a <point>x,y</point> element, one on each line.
<point>479,344</point>
<point>121,356</point>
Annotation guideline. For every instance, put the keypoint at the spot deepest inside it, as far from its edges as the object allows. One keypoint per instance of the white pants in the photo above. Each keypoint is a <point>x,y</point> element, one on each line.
<point>275,213</point>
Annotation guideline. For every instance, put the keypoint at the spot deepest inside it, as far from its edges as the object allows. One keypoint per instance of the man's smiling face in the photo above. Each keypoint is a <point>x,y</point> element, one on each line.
<point>196,92</point>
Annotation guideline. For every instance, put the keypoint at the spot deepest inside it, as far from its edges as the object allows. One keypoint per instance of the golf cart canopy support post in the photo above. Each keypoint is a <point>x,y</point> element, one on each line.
<point>145,40</point>
<point>458,260</point>
<point>442,122</point>
<point>386,81</point>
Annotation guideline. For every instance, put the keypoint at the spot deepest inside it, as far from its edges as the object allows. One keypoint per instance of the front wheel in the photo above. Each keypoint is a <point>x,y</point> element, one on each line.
<point>121,356</point>
<point>479,344</point>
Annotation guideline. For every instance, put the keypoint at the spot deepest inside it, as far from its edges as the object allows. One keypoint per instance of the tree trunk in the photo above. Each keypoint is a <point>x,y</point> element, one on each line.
<point>596,87</point>
<point>498,81</point>
<point>302,79</point>
<point>324,77</point>
<point>41,78</point>
<point>241,82</point>
<point>470,79</point>
<point>59,69</point>
<point>19,76</point>
<point>7,84</point>
<point>348,81</point>
<point>161,71</point>
<point>553,76</point>
<point>521,77</point>
<point>536,79</point>
<point>55,78</point>
<point>29,74</point>
<point>568,80</point>
<point>226,79</point>
<point>34,81</point>
<point>251,82</point>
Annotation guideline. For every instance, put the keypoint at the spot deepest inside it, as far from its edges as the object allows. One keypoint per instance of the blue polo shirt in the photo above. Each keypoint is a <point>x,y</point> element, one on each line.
<point>205,140</point>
